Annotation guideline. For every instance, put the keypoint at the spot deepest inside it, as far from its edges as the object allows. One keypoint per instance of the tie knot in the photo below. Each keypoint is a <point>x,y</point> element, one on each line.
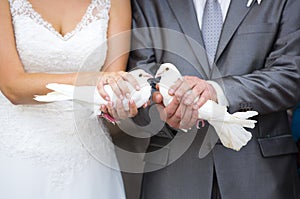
<point>212,2</point>
<point>212,23</point>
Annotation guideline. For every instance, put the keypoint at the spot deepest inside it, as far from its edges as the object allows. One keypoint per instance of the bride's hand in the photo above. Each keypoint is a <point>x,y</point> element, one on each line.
<point>117,111</point>
<point>117,82</point>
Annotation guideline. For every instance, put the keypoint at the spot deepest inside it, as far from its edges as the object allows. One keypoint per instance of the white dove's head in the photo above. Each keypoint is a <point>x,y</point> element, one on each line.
<point>142,96</point>
<point>165,69</point>
<point>169,74</point>
<point>141,76</point>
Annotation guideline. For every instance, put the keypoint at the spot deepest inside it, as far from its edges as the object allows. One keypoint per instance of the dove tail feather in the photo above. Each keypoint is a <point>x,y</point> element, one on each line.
<point>242,118</point>
<point>232,136</point>
<point>245,115</point>
<point>242,122</point>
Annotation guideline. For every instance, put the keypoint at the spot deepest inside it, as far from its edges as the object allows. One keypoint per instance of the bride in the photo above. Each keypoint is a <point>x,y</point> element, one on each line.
<point>41,154</point>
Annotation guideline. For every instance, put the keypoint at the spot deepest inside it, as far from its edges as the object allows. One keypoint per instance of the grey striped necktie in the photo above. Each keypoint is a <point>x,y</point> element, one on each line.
<point>212,22</point>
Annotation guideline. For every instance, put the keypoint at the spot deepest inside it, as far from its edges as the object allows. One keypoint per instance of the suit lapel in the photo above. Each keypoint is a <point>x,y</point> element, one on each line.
<point>185,14</point>
<point>236,13</point>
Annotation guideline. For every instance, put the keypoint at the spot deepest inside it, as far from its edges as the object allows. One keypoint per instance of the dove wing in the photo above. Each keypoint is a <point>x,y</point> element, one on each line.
<point>62,92</point>
<point>52,97</point>
<point>90,94</point>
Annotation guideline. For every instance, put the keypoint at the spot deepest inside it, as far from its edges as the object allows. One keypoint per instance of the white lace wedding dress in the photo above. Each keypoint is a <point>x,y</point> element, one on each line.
<point>57,150</point>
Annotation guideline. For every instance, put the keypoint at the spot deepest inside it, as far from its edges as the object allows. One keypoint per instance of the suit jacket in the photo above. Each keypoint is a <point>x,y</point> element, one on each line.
<point>257,65</point>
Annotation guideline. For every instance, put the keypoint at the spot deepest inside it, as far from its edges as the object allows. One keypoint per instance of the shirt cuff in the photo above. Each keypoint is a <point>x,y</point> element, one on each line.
<point>222,100</point>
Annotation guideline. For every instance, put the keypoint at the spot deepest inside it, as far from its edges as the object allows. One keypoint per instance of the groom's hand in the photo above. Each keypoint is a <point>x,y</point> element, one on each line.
<point>176,114</point>
<point>190,93</point>
<point>191,90</point>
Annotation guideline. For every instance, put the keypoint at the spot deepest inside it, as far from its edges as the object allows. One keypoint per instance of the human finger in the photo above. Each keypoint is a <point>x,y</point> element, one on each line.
<point>157,97</point>
<point>101,90</point>
<point>114,86</point>
<point>175,86</point>
<point>189,118</point>
<point>103,109</point>
<point>202,99</point>
<point>131,79</point>
<point>132,109</point>
<point>112,110</point>
<point>183,88</point>
<point>172,107</point>
<point>186,114</point>
<point>173,113</point>
<point>121,112</point>
<point>125,91</point>
<point>174,120</point>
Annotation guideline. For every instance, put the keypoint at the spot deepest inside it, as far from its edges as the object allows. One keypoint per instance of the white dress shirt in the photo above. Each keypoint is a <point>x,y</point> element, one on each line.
<point>199,6</point>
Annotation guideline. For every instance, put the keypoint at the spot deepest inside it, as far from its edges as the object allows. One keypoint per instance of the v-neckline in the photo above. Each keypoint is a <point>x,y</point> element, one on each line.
<point>69,34</point>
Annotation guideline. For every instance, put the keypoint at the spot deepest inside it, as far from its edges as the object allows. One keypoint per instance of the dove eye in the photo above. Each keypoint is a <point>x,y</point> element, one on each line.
<point>140,75</point>
<point>167,69</point>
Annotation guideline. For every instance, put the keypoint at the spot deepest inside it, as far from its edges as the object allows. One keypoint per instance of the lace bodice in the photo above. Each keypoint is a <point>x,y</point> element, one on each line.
<point>42,49</point>
<point>48,133</point>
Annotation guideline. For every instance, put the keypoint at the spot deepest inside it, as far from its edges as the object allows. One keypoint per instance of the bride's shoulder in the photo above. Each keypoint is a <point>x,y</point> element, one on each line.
<point>18,6</point>
<point>16,3</point>
<point>5,5</point>
<point>98,9</point>
<point>103,3</point>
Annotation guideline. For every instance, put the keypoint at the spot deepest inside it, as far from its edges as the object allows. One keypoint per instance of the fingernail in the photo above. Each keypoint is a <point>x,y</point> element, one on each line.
<point>121,97</point>
<point>195,106</point>
<point>128,95</point>
<point>171,91</point>
<point>107,98</point>
<point>137,87</point>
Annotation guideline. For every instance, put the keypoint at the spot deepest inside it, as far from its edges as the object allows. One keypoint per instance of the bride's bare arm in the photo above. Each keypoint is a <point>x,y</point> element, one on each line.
<point>118,35</point>
<point>118,51</point>
<point>17,85</point>
<point>20,87</point>
<point>118,41</point>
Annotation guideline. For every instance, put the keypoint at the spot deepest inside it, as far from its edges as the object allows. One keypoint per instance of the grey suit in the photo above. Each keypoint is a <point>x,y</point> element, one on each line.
<point>258,67</point>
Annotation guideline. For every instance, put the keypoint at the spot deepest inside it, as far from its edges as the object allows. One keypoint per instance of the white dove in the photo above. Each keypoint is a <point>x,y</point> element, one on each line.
<point>229,127</point>
<point>90,94</point>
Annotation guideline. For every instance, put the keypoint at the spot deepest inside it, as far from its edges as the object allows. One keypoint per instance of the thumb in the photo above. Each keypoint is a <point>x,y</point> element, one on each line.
<point>157,97</point>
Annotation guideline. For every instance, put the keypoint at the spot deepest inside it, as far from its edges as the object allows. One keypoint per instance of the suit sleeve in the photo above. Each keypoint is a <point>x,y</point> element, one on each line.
<point>142,56</point>
<point>276,86</point>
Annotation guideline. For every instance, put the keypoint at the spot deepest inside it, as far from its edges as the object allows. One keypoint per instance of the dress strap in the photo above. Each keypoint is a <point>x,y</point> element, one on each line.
<point>20,7</point>
<point>99,9</point>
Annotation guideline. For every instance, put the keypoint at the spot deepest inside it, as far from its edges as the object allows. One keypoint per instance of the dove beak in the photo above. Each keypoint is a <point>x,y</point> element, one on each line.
<point>158,74</point>
<point>148,76</point>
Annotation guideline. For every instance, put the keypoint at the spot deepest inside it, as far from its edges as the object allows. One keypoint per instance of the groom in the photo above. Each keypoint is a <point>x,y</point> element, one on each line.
<point>252,60</point>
